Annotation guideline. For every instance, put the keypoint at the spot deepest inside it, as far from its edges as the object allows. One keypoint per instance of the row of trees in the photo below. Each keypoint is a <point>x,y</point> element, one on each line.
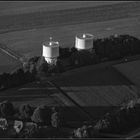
<point>31,70</point>
<point>40,67</point>
<point>17,78</point>
<point>117,47</point>
<point>110,48</point>
<point>23,75</point>
<point>31,121</point>
<point>82,58</point>
<point>121,121</point>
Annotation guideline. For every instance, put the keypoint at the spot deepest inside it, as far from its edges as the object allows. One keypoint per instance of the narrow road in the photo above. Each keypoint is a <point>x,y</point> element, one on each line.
<point>11,53</point>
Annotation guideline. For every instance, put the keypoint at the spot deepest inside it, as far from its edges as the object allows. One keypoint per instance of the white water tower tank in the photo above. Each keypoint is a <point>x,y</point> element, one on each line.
<point>84,41</point>
<point>50,51</point>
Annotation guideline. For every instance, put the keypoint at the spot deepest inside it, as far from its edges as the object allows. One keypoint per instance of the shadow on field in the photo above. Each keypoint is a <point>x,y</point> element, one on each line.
<point>107,76</point>
<point>73,114</point>
<point>97,91</point>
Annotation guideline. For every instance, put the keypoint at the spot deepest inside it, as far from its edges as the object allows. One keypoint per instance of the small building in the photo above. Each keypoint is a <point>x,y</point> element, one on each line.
<point>84,41</point>
<point>51,51</point>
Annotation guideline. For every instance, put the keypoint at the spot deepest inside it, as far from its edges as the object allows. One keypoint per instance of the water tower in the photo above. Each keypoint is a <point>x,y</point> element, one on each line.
<point>51,51</point>
<point>84,41</point>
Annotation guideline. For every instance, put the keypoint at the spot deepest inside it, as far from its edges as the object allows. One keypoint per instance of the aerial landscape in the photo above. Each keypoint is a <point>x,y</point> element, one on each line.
<point>70,69</point>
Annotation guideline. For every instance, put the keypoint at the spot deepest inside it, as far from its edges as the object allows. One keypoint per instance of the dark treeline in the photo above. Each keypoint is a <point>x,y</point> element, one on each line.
<point>49,122</point>
<point>20,76</point>
<point>110,48</point>
<point>120,121</point>
<point>15,79</point>
<point>117,47</point>
<point>28,121</point>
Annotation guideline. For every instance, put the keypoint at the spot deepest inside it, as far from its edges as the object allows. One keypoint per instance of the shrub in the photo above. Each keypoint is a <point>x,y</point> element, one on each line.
<point>81,58</point>
<point>26,112</point>
<point>64,53</point>
<point>30,130</point>
<point>42,115</point>
<point>55,118</point>
<point>34,59</point>
<point>60,66</point>
<point>42,66</point>
<point>7,109</point>
<point>85,132</point>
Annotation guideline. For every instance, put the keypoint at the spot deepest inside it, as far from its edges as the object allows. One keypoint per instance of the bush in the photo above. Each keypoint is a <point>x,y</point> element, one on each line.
<point>7,109</point>
<point>116,47</point>
<point>42,66</point>
<point>26,112</point>
<point>122,120</point>
<point>55,118</point>
<point>85,132</point>
<point>34,59</point>
<point>30,130</point>
<point>42,115</point>
<point>64,53</point>
<point>81,58</point>
<point>60,66</point>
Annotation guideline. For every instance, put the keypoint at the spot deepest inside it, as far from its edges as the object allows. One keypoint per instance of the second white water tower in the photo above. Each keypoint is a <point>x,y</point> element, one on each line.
<point>84,41</point>
<point>50,51</point>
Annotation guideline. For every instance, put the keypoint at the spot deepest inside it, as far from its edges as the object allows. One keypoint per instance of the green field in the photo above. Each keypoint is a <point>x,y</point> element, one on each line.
<point>131,70</point>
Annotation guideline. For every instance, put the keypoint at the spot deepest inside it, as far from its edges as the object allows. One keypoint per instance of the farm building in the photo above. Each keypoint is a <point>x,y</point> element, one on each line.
<point>51,51</point>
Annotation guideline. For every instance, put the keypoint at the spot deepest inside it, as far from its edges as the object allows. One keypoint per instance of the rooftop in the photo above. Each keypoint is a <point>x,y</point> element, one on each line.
<point>85,36</point>
<point>51,43</point>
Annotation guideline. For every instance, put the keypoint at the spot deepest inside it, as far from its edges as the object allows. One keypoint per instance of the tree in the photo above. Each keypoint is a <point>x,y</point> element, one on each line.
<point>34,59</point>
<point>42,66</point>
<point>7,109</point>
<point>60,66</point>
<point>64,52</point>
<point>26,111</point>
